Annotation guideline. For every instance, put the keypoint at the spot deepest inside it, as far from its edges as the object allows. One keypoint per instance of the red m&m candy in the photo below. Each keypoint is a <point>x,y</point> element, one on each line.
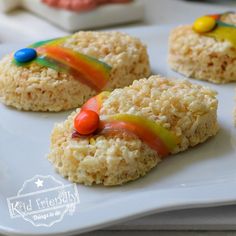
<point>86,122</point>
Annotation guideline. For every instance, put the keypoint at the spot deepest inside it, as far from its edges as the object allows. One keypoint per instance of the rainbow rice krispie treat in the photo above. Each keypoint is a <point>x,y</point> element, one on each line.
<point>205,50</point>
<point>120,136</point>
<point>61,74</point>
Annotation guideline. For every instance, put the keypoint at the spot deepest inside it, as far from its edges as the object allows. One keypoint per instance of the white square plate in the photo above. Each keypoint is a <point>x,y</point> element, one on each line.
<point>202,176</point>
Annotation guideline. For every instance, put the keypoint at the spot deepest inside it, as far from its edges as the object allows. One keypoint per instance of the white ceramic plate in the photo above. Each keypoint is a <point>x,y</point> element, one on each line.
<point>202,176</point>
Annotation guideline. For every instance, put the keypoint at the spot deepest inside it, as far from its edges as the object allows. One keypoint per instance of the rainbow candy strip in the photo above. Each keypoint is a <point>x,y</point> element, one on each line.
<point>88,70</point>
<point>95,103</point>
<point>223,31</point>
<point>153,134</point>
<point>55,41</point>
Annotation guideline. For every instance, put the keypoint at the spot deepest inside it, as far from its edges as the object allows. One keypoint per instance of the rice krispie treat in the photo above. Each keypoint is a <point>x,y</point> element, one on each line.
<point>63,73</point>
<point>205,50</point>
<point>120,136</point>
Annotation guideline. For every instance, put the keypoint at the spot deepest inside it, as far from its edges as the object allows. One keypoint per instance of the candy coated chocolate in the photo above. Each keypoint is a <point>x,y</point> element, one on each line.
<point>25,55</point>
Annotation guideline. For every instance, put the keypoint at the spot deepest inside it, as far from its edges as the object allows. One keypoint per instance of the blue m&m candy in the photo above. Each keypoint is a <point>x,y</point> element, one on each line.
<point>25,55</point>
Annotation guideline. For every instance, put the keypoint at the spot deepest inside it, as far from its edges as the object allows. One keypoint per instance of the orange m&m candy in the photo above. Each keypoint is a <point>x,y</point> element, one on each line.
<point>86,122</point>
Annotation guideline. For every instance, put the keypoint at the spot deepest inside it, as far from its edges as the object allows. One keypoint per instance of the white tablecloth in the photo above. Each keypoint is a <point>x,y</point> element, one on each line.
<point>221,219</point>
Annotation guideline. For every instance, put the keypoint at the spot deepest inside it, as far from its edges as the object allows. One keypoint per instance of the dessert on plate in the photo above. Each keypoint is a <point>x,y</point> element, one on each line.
<point>119,136</point>
<point>62,73</point>
<point>205,50</point>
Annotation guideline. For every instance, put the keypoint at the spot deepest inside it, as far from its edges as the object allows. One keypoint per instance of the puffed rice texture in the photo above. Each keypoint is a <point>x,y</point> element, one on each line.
<point>38,88</point>
<point>188,110</point>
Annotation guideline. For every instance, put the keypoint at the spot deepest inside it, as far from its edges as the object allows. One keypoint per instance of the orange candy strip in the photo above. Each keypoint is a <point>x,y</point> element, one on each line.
<point>146,136</point>
<point>95,103</point>
<point>215,16</point>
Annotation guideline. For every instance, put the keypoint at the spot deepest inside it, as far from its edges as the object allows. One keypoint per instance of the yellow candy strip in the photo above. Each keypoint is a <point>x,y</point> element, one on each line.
<point>222,33</point>
<point>54,41</point>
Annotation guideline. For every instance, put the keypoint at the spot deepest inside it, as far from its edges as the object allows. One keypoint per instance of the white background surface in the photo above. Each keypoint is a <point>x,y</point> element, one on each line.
<point>20,26</point>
